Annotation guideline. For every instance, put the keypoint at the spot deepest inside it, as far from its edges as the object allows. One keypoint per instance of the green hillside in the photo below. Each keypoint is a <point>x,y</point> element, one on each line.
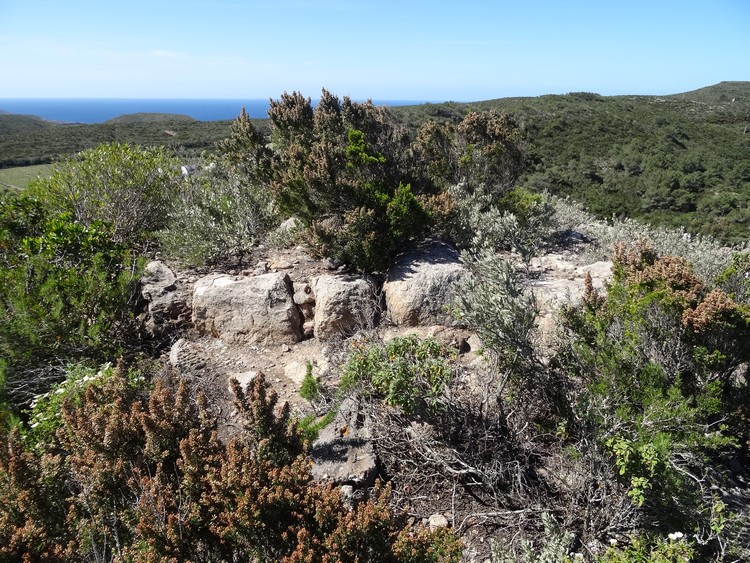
<point>34,141</point>
<point>20,177</point>
<point>146,117</point>
<point>673,160</point>
<point>719,93</point>
<point>11,124</point>
<point>676,160</point>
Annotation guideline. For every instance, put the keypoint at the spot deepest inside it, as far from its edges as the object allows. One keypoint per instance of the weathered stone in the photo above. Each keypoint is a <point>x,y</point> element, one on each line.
<point>281,265</point>
<point>474,343</point>
<point>303,294</point>
<point>304,298</point>
<point>421,285</point>
<point>561,281</point>
<point>168,300</point>
<point>343,304</point>
<point>308,329</point>
<point>257,309</point>
<point>187,357</point>
<point>438,521</point>
<point>343,454</point>
<point>295,371</point>
<point>244,378</point>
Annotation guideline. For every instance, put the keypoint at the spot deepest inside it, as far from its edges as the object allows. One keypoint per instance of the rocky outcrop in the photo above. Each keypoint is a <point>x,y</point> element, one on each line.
<point>258,309</point>
<point>168,300</point>
<point>560,280</point>
<point>421,285</point>
<point>343,453</point>
<point>343,304</point>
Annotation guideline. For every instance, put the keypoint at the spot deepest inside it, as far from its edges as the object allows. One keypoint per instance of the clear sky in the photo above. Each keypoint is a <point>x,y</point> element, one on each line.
<point>407,49</point>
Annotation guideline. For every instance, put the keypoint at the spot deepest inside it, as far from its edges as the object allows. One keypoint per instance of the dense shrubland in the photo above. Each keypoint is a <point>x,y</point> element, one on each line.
<point>68,294</point>
<point>618,443</point>
<point>134,473</point>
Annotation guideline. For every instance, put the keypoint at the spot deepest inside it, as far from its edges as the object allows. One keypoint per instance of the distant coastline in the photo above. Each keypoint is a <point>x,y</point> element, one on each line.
<point>69,110</point>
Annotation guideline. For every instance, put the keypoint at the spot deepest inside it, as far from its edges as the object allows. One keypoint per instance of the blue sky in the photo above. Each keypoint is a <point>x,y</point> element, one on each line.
<point>408,49</point>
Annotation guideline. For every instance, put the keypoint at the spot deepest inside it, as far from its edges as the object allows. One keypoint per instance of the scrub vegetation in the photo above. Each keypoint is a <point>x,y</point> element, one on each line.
<point>626,441</point>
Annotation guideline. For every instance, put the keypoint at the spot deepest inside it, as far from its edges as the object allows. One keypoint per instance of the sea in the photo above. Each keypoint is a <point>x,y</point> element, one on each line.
<point>82,110</point>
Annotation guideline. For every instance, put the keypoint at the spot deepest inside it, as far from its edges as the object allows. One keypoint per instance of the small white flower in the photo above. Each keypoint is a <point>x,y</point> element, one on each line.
<point>678,535</point>
<point>612,542</point>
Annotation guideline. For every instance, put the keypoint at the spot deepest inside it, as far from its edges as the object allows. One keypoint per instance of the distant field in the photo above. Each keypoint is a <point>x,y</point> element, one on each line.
<point>21,176</point>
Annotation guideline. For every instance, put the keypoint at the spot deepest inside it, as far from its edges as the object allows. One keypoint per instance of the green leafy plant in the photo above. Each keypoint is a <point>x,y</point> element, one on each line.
<point>406,372</point>
<point>127,187</point>
<point>67,293</point>
<point>657,357</point>
<point>310,388</point>
<point>652,549</point>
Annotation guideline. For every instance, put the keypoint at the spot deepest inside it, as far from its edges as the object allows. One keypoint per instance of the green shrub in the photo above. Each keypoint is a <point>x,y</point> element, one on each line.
<point>67,292</point>
<point>406,372</point>
<point>311,425</point>
<point>673,549</point>
<point>658,357</point>
<point>735,278</point>
<point>351,174</point>
<point>217,216</point>
<point>127,187</point>
<point>369,237</point>
<point>310,388</point>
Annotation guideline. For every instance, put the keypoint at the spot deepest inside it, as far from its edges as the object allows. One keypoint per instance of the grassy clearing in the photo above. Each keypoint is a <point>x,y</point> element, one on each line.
<point>21,176</point>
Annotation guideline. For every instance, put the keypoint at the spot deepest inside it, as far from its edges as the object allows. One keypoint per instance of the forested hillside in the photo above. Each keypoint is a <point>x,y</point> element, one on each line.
<point>26,140</point>
<point>680,160</point>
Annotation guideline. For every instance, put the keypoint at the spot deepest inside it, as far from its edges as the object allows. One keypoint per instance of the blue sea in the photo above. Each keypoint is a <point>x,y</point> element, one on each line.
<point>98,110</point>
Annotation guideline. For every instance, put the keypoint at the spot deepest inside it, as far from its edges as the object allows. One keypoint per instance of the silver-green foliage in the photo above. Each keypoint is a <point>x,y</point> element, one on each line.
<point>217,215</point>
<point>707,255</point>
<point>555,547</point>
<point>521,224</point>
<point>130,188</point>
<point>495,304</point>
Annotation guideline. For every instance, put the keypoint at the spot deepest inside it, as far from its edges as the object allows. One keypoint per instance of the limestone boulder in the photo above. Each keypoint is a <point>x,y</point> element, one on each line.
<point>343,453</point>
<point>257,309</point>
<point>421,284</point>
<point>167,298</point>
<point>305,299</point>
<point>343,304</point>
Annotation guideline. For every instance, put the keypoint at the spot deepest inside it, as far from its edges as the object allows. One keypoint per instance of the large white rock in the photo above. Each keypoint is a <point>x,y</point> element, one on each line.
<point>343,304</point>
<point>422,284</point>
<point>258,309</point>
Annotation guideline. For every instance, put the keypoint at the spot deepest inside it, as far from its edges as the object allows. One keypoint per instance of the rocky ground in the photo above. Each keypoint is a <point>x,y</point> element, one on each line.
<point>291,309</point>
